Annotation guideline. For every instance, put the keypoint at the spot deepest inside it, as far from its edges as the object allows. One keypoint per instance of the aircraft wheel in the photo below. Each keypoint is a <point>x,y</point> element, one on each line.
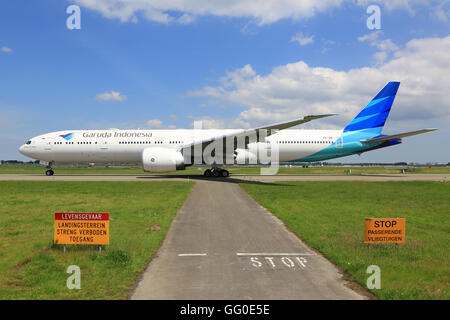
<point>49,172</point>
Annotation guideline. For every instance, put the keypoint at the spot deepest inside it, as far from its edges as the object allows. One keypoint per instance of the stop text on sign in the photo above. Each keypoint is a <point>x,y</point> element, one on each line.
<point>384,230</point>
<point>81,228</point>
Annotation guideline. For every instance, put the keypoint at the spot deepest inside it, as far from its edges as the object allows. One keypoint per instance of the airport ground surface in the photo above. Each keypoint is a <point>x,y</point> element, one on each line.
<point>233,178</point>
<point>246,170</point>
<point>224,245</point>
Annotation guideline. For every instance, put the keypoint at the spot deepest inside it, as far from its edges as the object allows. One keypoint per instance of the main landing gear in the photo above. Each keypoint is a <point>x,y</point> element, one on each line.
<point>216,173</point>
<point>49,171</point>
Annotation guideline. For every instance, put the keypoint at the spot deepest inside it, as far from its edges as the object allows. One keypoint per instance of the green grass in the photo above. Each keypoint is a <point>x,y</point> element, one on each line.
<point>363,170</point>
<point>31,268</point>
<point>82,169</point>
<point>329,216</point>
<point>195,170</point>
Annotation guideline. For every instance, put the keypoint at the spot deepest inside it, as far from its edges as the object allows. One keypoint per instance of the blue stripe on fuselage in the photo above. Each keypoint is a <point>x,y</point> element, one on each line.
<point>351,145</point>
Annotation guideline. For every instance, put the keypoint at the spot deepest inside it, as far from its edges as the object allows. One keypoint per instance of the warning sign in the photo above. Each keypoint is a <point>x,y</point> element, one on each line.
<point>385,230</point>
<point>81,228</point>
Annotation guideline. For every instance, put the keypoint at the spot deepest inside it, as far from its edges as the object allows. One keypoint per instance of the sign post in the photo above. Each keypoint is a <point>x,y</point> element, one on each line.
<point>385,230</point>
<point>81,228</point>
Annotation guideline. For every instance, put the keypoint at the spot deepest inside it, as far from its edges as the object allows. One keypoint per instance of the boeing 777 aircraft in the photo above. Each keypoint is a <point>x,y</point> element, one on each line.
<point>170,150</point>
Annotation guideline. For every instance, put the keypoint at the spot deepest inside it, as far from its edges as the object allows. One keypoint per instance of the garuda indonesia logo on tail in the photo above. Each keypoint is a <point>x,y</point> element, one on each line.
<point>67,136</point>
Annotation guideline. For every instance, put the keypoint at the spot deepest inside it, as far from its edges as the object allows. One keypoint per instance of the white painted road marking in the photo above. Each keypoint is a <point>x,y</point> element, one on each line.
<point>272,260</point>
<point>293,261</point>
<point>275,254</point>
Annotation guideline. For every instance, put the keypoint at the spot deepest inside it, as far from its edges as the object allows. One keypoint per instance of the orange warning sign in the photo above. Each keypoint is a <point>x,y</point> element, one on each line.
<point>81,228</point>
<point>385,230</point>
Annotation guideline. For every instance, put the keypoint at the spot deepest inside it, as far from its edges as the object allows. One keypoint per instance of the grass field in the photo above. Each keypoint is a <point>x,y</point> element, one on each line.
<point>329,216</point>
<point>195,170</point>
<point>31,268</point>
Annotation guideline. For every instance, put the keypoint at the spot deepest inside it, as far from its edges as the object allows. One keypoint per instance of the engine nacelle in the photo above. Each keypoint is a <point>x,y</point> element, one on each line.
<point>162,160</point>
<point>244,156</point>
<point>260,152</point>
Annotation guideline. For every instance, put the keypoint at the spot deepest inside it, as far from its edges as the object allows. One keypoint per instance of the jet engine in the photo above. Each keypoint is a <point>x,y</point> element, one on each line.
<point>162,160</point>
<point>244,156</point>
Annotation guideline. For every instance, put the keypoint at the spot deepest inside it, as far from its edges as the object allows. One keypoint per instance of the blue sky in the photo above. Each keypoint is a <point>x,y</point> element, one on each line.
<point>230,65</point>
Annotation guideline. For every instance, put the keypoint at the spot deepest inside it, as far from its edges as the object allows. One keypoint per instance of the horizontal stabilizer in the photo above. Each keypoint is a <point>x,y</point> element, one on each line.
<point>396,136</point>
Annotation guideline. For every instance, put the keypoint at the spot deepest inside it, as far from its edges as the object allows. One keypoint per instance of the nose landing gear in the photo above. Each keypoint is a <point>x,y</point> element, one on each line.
<point>49,171</point>
<point>216,173</point>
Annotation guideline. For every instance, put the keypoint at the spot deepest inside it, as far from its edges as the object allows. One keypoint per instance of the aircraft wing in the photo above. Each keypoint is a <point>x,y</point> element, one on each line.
<point>271,129</point>
<point>399,135</point>
<point>292,123</point>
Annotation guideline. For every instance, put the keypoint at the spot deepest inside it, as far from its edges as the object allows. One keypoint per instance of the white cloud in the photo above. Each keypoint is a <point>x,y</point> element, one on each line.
<point>186,19</point>
<point>6,49</point>
<point>164,11</point>
<point>260,12</point>
<point>385,46</point>
<point>208,123</point>
<point>301,39</point>
<point>370,37</point>
<point>380,56</point>
<point>435,7</point>
<point>442,11</point>
<point>374,39</point>
<point>391,5</point>
<point>295,89</point>
<point>154,123</point>
<point>110,96</point>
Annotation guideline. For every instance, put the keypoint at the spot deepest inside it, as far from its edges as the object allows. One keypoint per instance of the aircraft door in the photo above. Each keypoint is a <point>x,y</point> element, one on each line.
<point>48,145</point>
<point>340,143</point>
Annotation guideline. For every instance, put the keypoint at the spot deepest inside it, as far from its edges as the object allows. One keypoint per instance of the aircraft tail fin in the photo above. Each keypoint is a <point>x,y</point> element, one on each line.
<point>374,115</point>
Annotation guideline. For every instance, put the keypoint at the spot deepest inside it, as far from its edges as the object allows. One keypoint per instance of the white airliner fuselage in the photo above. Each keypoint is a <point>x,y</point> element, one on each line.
<point>128,145</point>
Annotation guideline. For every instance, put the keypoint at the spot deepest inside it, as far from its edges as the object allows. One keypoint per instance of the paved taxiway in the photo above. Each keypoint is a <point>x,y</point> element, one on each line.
<point>232,178</point>
<point>223,245</point>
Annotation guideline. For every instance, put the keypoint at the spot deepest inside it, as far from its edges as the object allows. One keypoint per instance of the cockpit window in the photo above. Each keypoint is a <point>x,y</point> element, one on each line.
<point>28,142</point>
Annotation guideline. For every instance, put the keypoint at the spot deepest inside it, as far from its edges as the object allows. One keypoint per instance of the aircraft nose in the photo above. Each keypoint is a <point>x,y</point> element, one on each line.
<point>22,150</point>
